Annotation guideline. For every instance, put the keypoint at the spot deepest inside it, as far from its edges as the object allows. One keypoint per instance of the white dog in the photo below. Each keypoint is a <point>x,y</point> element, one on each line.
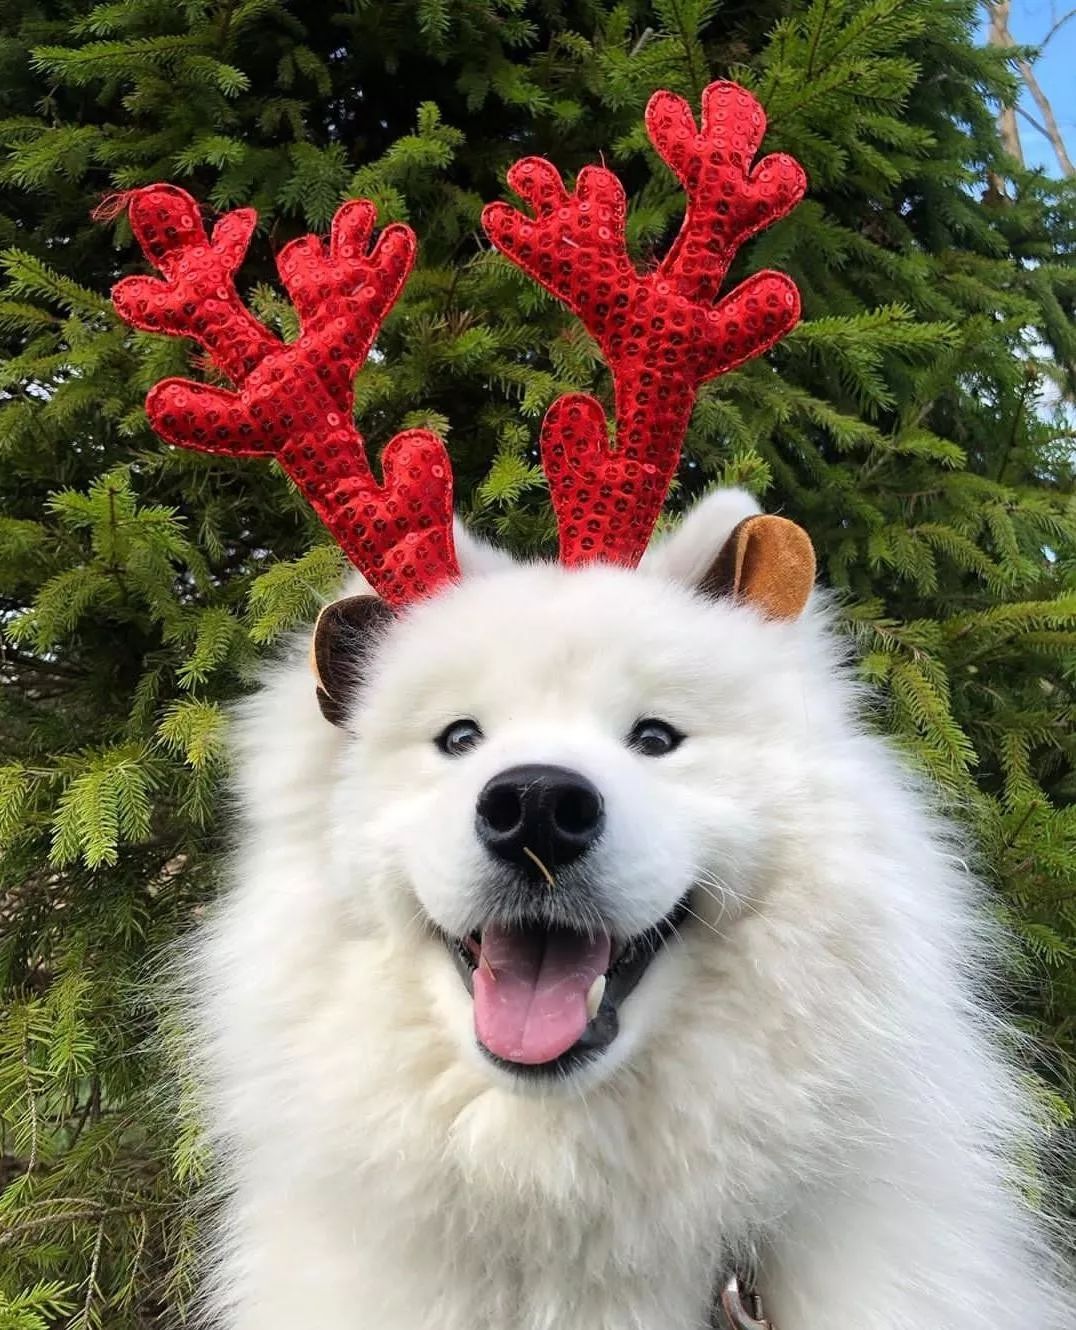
<point>597,951</point>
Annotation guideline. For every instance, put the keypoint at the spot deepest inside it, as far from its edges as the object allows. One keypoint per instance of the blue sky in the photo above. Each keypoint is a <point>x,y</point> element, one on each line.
<point>1030,21</point>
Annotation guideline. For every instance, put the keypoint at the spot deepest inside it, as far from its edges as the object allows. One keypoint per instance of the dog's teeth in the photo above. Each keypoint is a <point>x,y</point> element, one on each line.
<point>594,996</point>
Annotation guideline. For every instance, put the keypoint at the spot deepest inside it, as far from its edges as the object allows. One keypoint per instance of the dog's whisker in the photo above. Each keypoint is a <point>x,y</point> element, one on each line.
<point>709,882</point>
<point>719,899</point>
<point>706,924</point>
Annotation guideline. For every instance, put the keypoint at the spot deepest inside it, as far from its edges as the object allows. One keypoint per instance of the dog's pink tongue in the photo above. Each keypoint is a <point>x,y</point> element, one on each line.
<point>530,990</point>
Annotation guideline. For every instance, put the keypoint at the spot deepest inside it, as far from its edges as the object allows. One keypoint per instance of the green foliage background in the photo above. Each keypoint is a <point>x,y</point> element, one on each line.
<point>916,423</point>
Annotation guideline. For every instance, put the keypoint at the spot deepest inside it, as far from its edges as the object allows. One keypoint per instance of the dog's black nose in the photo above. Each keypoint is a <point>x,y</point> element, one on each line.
<point>553,813</point>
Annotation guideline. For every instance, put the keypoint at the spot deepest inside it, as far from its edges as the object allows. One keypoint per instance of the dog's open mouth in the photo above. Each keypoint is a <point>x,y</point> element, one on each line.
<point>548,997</point>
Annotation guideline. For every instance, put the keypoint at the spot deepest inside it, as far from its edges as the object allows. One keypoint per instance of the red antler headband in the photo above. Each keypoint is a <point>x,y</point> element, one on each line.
<point>293,401</point>
<point>660,333</point>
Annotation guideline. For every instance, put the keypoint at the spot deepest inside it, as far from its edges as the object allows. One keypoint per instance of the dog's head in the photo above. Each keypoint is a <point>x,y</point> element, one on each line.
<point>550,773</point>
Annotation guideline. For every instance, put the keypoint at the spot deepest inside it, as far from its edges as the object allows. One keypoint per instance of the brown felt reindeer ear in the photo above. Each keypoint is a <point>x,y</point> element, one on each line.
<point>344,637</point>
<point>767,562</point>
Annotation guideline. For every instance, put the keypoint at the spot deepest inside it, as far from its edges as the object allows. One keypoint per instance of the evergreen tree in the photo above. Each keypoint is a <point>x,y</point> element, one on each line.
<point>916,423</point>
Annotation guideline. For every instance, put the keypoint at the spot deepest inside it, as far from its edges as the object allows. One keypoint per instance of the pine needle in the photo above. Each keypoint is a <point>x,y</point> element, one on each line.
<point>541,867</point>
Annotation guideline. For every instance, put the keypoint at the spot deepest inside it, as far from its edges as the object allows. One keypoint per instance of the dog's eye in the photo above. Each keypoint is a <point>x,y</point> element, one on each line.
<point>654,738</point>
<point>459,737</point>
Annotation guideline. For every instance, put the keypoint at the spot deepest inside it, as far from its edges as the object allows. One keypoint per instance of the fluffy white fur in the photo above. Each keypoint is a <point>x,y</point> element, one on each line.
<point>807,1080</point>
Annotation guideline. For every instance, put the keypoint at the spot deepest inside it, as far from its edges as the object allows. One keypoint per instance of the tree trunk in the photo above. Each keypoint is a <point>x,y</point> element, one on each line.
<point>1007,126</point>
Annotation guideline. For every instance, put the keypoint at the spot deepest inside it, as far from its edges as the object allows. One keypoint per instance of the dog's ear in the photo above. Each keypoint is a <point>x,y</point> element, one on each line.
<point>685,553</point>
<point>477,557</point>
<point>344,637</point>
<point>767,562</point>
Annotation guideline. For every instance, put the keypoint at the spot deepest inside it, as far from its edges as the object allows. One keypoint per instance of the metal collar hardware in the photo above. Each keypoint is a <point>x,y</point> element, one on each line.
<point>739,1309</point>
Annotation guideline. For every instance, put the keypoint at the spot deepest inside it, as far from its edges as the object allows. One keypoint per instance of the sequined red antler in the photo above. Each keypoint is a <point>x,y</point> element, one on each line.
<point>293,401</point>
<point>659,333</point>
